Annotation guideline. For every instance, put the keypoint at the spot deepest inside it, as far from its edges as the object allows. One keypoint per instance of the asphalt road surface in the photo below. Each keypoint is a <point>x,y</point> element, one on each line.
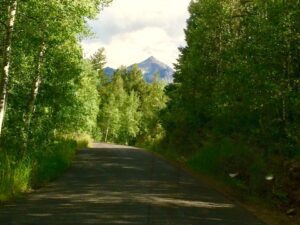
<point>112,184</point>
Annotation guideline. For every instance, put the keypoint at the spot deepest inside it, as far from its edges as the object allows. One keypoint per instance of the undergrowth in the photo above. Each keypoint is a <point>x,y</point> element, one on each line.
<point>39,166</point>
<point>247,171</point>
<point>14,175</point>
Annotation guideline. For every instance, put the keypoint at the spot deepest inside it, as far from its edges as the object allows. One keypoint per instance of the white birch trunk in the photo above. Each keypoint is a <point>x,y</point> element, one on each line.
<point>35,84</point>
<point>12,9</point>
<point>106,135</point>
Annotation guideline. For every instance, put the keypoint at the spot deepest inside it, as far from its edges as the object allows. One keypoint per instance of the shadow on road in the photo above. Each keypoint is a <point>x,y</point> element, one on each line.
<point>116,185</point>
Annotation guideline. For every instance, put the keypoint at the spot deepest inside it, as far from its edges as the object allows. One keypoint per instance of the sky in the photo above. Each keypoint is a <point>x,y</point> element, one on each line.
<point>133,30</point>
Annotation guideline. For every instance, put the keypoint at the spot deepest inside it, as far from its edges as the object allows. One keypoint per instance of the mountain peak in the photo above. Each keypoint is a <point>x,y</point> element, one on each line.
<point>153,61</point>
<point>150,67</point>
<point>151,58</point>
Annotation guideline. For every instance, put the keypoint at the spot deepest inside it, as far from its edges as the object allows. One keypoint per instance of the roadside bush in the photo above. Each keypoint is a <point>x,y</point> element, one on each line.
<point>18,175</point>
<point>234,163</point>
<point>14,175</point>
<point>52,161</point>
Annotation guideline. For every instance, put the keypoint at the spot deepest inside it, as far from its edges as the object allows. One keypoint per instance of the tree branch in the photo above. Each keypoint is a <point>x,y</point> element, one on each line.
<point>4,24</point>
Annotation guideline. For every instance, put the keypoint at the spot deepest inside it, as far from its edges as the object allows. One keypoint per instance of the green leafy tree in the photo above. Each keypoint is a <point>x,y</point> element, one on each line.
<point>237,89</point>
<point>45,66</point>
<point>130,107</point>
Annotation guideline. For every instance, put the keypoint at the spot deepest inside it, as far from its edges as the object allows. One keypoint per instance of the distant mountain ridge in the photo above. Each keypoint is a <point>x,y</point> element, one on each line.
<point>149,67</point>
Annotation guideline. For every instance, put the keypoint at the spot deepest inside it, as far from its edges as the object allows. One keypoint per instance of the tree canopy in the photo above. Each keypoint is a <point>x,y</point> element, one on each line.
<point>236,90</point>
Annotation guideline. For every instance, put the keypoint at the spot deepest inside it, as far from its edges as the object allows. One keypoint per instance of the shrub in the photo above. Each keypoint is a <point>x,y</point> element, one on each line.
<point>19,174</point>
<point>14,175</point>
<point>226,157</point>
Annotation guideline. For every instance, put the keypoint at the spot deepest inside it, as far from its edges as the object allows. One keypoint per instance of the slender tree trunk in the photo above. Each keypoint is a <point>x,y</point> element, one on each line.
<point>33,95</point>
<point>35,84</point>
<point>12,9</point>
<point>106,135</point>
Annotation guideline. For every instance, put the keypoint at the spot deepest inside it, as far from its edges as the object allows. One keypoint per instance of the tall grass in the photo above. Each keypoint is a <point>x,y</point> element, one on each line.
<point>18,175</point>
<point>14,176</point>
<point>82,140</point>
<point>52,161</point>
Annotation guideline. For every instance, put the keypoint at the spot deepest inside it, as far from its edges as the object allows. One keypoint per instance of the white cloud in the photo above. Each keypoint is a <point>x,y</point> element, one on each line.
<point>132,30</point>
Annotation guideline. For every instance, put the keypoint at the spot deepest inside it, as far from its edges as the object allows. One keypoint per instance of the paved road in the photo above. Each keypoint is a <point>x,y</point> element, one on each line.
<point>112,184</point>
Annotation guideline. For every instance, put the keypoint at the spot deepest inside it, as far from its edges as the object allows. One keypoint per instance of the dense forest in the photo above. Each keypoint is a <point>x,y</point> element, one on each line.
<point>129,106</point>
<point>232,112</point>
<point>48,93</point>
<point>234,107</point>
<point>54,101</point>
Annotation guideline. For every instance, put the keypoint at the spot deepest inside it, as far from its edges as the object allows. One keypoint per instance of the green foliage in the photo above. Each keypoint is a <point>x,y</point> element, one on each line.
<point>224,158</point>
<point>14,175</point>
<point>237,79</point>
<point>42,165</point>
<point>98,60</point>
<point>82,109</point>
<point>53,93</point>
<point>51,161</point>
<point>130,107</point>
